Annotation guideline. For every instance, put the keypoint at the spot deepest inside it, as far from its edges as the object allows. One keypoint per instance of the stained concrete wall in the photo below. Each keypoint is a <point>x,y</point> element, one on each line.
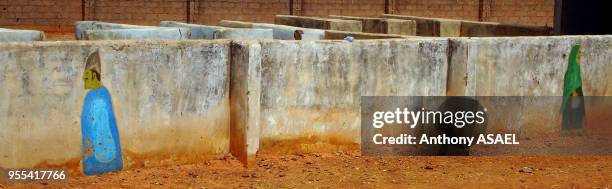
<point>441,27</point>
<point>534,65</point>
<point>81,26</point>
<point>310,90</point>
<point>172,103</point>
<point>318,23</point>
<point>488,29</point>
<point>432,26</point>
<point>383,25</point>
<point>339,35</point>
<point>218,32</point>
<point>245,104</point>
<point>530,66</point>
<point>279,31</point>
<point>10,35</point>
<point>170,99</point>
<point>138,33</point>
<point>197,31</point>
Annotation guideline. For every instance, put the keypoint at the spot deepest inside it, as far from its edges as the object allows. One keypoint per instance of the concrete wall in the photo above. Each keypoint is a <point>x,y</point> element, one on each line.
<point>138,33</point>
<point>318,23</point>
<point>339,35</point>
<point>488,29</point>
<point>432,26</point>
<point>8,35</point>
<point>279,31</point>
<point>218,32</point>
<point>310,90</point>
<point>383,25</point>
<point>170,98</point>
<point>81,26</point>
<point>530,66</point>
<point>535,65</point>
<point>245,104</point>
<point>197,31</point>
<point>246,34</point>
<point>464,28</point>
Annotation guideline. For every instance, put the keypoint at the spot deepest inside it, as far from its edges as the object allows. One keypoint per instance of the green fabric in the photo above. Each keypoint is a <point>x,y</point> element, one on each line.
<point>573,81</point>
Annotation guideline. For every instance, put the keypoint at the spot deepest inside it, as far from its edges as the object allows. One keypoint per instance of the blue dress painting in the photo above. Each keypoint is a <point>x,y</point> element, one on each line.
<point>101,148</point>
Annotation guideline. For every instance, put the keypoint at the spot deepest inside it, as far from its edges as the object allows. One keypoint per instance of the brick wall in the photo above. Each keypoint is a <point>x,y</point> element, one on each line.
<point>145,12</point>
<point>212,11</point>
<point>59,15</point>
<point>46,15</point>
<point>531,12</point>
<point>323,8</point>
<point>456,9</point>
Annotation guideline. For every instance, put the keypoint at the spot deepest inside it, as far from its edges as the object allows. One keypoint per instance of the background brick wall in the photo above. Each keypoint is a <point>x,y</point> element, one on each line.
<point>532,12</point>
<point>212,11</point>
<point>59,15</point>
<point>321,8</point>
<point>456,9</point>
<point>145,12</point>
<point>46,15</point>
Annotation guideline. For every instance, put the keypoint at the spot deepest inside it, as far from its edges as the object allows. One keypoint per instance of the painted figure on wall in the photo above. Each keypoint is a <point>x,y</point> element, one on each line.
<point>101,148</point>
<point>572,106</point>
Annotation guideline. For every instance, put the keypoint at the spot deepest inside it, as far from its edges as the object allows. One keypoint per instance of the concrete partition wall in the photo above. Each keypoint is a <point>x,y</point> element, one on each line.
<point>318,23</point>
<point>310,90</point>
<point>383,25</point>
<point>489,29</point>
<point>138,34</point>
<point>245,104</point>
<point>530,66</point>
<point>432,26</point>
<point>10,35</point>
<point>279,31</point>
<point>81,26</point>
<point>218,32</point>
<point>170,99</point>
<point>197,31</point>
<point>339,35</point>
<point>441,27</point>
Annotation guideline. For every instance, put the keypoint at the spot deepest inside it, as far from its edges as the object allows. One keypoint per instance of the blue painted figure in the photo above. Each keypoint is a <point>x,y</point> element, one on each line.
<point>101,148</point>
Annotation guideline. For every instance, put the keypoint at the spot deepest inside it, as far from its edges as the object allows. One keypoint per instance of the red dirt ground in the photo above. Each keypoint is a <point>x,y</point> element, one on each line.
<point>350,170</point>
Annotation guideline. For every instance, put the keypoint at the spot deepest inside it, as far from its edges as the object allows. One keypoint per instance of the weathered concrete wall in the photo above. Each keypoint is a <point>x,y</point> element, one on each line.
<point>337,35</point>
<point>279,31</point>
<point>246,34</point>
<point>529,66</point>
<point>436,27</point>
<point>383,25</point>
<point>197,31</point>
<point>245,104</point>
<point>139,33</point>
<point>218,32</point>
<point>81,26</point>
<point>464,28</point>
<point>489,29</point>
<point>170,99</point>
<point>10,35</point>
<point>534,65</point>
<point>318,23</point>
<point>311,89</point>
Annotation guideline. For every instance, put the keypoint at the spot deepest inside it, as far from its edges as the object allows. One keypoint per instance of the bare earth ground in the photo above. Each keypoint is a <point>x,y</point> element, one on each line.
<point>350,170</point>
